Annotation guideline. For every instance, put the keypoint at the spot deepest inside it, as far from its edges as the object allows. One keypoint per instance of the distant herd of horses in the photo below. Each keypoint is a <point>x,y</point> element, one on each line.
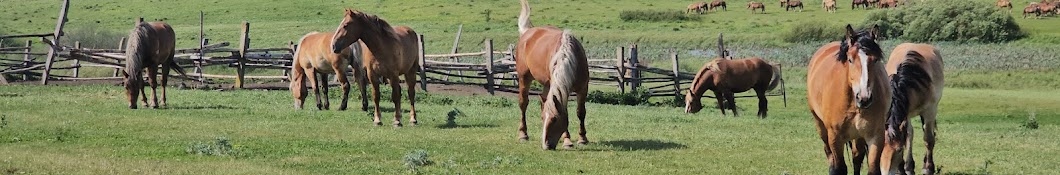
<point>1039,9</point>
<point>857,101</point>
<point>788,5</point>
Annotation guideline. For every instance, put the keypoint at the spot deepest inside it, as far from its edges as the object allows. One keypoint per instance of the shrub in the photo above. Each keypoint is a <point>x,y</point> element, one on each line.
<point>1032,122</point>
<point>633,98</point>
<point>416,159</point>
<point>93,36</point>
<point>221,147</point>
<point>947,20</point>
<point>655,16</point>
<point>811,31</point>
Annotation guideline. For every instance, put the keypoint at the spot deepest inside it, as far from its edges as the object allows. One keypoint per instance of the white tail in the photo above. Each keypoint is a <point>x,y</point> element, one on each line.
<point>524,17</point>
<point>563,72</point>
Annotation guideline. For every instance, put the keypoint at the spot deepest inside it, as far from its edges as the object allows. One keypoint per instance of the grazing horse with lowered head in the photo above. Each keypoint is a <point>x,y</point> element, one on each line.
<point>697,7</point>
<point>829,5</point>
<point>855,3</point>
<point>150,45</point>
<point>315,59</point>
<point>848,95</point>
<point>1004,4</point>
<point>388,53</point>
<point>1032,9</point>
<point>726,77</point>
<point>888,4</point>
<point>791,4</point>
<point>916,77</point>
<point>556,59</point>
<point>718,3</point>
<point>756,5</point>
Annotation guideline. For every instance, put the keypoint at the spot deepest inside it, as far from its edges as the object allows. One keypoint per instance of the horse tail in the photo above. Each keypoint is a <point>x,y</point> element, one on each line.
<point>524,17</point>
<point>777,77</point>
<point>172,63</point>
<point>909,76</point>
<point>563,75</point>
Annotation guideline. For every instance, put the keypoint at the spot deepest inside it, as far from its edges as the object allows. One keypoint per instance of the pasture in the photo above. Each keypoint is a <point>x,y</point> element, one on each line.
<point>999,112</point>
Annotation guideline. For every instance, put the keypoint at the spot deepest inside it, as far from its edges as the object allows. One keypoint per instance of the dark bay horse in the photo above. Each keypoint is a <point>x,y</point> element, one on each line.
<point>848,94</point>
<point>718,3</point>
<point>726,77</point>
<point>388,53</point>
<point>791,4</point>
<point>916,80</point>
<point>855,3</point>
<point>150,45</point>
<point>315,58</point>
<point>556,59</point>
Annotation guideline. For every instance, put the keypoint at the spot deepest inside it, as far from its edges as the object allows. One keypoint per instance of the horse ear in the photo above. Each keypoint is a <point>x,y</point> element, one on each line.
<point>875,31</point>
<point>850,33</point>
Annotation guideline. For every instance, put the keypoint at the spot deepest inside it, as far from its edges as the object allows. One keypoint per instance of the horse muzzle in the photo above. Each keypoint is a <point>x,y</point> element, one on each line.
<point>864,103</point>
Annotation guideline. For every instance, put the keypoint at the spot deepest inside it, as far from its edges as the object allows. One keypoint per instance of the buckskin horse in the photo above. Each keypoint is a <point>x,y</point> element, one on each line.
<point>726,77</point>
<point>388,52</point>
<point>554,58</point>
<point>917,82</point>
<point>315,58</point>
<point>848,95</point>
<point>756,5</point>
<point>697,7</point>
<point>150,45</point>
<point>829,5</point>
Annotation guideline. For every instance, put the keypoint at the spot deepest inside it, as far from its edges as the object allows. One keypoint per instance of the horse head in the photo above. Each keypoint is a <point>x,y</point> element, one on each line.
<point>862,56</point>
<point>703,81</point>
<point>555,122</point>
<point>352,28</point>
<point>133,85</point>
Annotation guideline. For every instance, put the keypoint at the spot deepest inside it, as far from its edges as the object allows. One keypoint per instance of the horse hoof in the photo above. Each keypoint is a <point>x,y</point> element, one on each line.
<point>414,122</point>
<point>132,106</point>
<point>568,146</point>
<point>583,142</point>
<point>378,123</point>
<point>397,124</point>
<point>342,108</point>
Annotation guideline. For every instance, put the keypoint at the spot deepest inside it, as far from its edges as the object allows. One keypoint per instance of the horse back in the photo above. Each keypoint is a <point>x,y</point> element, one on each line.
<point>744,74</point>
<point>314,52</point>
<point>535,49</point>
<point>926,57</point>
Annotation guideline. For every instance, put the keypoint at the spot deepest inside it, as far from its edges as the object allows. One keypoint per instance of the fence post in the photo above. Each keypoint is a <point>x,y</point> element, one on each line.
<point>290,45</point>
<point>635,68</point>
<point>202,53</point>
<point>77,62</point>
<point>620,59</point>
<point>456,42</point>
<point>677,75</point>
<point>489,66</point>
<point>783,89</point>
<point>121,47</point>
<point>244,44</point>
<point>52,52</point>
<point>511,52</point>
<point>423,67</point>
<point>26,59</point>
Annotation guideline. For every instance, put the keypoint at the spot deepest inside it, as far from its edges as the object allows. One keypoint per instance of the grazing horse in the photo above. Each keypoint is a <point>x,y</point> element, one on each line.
<point>855,3</point>
<point>556,59</point>
<point>1033,8</point>
<point>791,4</point>
<point>888,4</point>
<point>697,7</point>
<point>726,77</point>
<point>829,5</point>
<point>756,5</point>
<point>388,53</point>
<point>1048,9</point>
<point>150,45</point>
<point>315,58</point>
<point>848,96</point>
<point>916,81</point>
<point>1004,4</point>
<point>718,3</point>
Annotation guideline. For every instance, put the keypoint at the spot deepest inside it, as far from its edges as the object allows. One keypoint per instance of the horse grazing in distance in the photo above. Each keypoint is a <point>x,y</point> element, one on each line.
<point>829,5</point>
<point>756,5</point>
<point>556,59</point>
<point>888,4</point>
<point>1032,9</point>
<point>314,58</point>
<point>697,7</point>
<point>916,77</point>
<point>848,95</point>
<point>726,77</point>
<point>718,3</point>
<point>150,45</point>
<point>855,3</point>
<point>388,52</point>
<point>791,4</point>
<point>1004,4</point>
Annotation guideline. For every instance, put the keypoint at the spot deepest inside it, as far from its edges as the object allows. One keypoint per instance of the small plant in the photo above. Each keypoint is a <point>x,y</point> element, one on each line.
<point>416,159</point>
<point>487,13</point>
<point>495,102</point>
<point>221,147</point>
<point>450,120</point>
<point>632,98</point>
<point>3,121</point>
<point>1032,122</point>
<point>62,134</point>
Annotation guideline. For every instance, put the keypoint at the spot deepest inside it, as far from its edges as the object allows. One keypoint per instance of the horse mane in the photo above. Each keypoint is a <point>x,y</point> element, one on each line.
<point>910,76</point>
<point>712,65</point>
<point>138,48</point>
<point>865,39</point>
<point>562,77</point>
<point>380,25</point>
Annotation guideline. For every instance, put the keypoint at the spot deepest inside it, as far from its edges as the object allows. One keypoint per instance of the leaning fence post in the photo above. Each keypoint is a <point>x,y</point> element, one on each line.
<point>77,62</point>
<point>202,53</point>
<point>121,47</point>
<point>52,52</point>
<point>244,44</point>
<point>620,59</point>
<point>290,45</point>
<point>635,68</point>
<point>423,66</point>
<point>783,89</point>
<point>677,75</point>
<point>27,59</point>
<point>489,66</point>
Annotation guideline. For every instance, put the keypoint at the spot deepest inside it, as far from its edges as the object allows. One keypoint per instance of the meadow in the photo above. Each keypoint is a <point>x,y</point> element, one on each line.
<point>999,112</point>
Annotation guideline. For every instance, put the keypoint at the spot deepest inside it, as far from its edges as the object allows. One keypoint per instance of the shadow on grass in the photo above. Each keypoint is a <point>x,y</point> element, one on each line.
<point>201,107</point>
<point>645,145</point>
<point>451,126</point>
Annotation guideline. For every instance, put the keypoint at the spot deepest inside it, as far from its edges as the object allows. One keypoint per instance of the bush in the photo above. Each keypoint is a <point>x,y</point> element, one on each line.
<point>947,20</point>
<point>633,98</point>
<point>93,36</point>
<point>813,30</point>
<point>655,16</point>
<point>416,159</point>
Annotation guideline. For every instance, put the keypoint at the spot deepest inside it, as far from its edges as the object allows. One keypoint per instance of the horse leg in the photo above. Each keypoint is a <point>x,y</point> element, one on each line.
<point>763,104</point>
<point>928,119</point>
<point>732,103</point>
<point>298,88</point>
<point>362,81</point>
<point>410,82</point>
<point>312,75</point>
<point>324,89</point>
<point>837,163</point>
<point>908,165</point>
<point>375,99</point>
<point>875,144</point>
<point>582,96</point>
<point>152,72</point>
<point>165,82</point>
<point>340,74</point>
<point>721,101</point>
<point>395,96</point>
<point>857,150</point>
<point>524,93</point>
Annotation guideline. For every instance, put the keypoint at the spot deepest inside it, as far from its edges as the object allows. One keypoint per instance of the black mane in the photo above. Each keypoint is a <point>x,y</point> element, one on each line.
<point>864,40</point>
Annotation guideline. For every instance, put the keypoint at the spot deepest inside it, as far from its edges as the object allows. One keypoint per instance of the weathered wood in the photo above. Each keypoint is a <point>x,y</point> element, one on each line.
<point>677,75</point>
<point>620,57</point>
<point>12,48</point>
<point>121,48</point>
<point>489,66</point>
<point>27,58</point>
<point>61,21</point>
<point>202,46</point>
<point>456,44</point>
<point>27,36</point>
<point>634,73</point>
<point>77,62</point>
<point>783,89</point>
<point>423,67</point>
<point>244,45</point>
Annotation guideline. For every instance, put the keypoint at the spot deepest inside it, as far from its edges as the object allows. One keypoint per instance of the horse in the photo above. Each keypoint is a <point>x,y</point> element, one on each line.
<point>1004,4</point>
<point>888,4</point>
<point>718,3</point>
<point>791,4</point>
<point>556,59</point>
<point>315,58</point>
<point>855,3</point>
<point>697,7</point>
<point>846,92</point>
<point>915,72</point>
<point>756,5</point>
<point>1048,9</point>
<point>829,5</point>
<point>1032,8</point>
<point>150,45</point>
<point>726,77</point>
<point>388,52</point>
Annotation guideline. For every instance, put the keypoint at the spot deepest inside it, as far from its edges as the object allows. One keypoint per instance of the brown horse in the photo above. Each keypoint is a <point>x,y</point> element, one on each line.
<point>1032,9</point>
<point>756,5</point>
<point>1004,4</point>
<point>888,4</point>
<point>388,53</point>
<point>726,77</point>
<point>791,4</point>
<point>150,45</point>
<point>718,3</point>
<point>847,93</point>
<point>554,58</point>
<point>1047,8</point>
<point>855,3</point>
<point>697,7</point>
<point>315,58</point>
<point>829,5</point>
<point>916,81</point>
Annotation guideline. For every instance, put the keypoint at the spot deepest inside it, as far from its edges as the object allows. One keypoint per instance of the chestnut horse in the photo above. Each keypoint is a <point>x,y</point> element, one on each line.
<point>697,7</point>
<point>1004,4</point>
<point>150,45</point>
<point>888,4</point>
<point>726,77</point>
<point>718,3</point>
<point>916,81</point>
<point>388,53</point>
<point>315,58</point>
<point>791,4</point>
<point>847,91</point>
<point>756,5</point>
<point>554,58</point>
<point>829,5</point>
<point>1032,9</point>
